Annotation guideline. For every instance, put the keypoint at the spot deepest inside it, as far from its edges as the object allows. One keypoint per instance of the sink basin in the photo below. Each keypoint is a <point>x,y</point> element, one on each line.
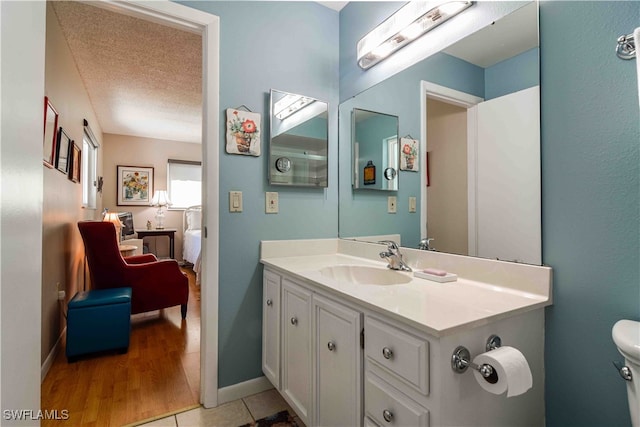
<point>365,275</point>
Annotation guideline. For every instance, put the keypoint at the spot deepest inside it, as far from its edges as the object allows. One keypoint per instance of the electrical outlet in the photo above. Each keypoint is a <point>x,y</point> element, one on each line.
<point>392,201</point>
<point>271,206</point>
<point>61,295</point>
<point>412,204</point>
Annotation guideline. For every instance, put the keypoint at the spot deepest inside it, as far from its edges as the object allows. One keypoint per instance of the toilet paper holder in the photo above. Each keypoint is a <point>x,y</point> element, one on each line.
<point>461,360</point>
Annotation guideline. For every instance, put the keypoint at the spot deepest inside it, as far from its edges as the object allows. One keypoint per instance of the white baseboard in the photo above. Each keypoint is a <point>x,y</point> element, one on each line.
<point>243,389</point>
<point>44,370</point>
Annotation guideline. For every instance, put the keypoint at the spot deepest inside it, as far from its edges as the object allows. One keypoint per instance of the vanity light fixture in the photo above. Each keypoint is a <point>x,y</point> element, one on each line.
<point>409,23</point>
<point>289,104</point>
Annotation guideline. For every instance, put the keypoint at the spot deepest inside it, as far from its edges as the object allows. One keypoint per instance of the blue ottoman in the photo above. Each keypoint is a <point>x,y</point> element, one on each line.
<point>98,320</point>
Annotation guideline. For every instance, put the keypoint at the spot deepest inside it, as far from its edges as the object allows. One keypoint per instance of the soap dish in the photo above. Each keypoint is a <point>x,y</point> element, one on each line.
<point>449,277</point>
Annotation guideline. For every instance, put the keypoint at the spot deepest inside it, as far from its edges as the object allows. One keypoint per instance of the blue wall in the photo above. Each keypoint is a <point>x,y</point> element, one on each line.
<point>289,46</point>
<point>512,75</point>
<point>590,205</point>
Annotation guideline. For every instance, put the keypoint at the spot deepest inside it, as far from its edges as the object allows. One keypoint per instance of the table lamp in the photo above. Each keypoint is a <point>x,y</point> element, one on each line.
<point>115,219</point>
<point>160,199</point>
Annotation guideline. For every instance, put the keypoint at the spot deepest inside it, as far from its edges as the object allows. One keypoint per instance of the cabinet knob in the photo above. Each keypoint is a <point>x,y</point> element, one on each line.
<point>294,321</point>
<point>269,302</point>
<point>387,415</point>
<point>331,346</point>
<point>387,353</point>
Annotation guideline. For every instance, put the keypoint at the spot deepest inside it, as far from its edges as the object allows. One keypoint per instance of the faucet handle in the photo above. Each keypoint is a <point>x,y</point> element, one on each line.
<point>390,243</point>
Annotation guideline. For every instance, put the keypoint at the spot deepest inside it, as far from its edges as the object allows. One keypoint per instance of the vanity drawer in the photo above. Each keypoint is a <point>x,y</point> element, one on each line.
<point>402,354</point>
<point>387,407</point>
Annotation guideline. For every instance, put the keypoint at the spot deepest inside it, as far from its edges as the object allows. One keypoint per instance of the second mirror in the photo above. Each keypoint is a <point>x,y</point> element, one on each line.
<point>374,145</point>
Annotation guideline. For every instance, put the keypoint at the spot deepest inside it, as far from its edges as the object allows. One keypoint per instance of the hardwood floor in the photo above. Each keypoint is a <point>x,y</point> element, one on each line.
<point>159,374</point>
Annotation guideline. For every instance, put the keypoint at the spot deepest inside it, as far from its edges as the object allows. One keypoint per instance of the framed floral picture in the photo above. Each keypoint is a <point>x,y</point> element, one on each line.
<point>135,185</point>
<point>243,132</point>
<point>409,158</point>
<point>50,133</point>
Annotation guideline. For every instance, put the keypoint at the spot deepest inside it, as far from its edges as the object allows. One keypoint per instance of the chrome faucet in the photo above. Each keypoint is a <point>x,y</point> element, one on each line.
<point>425,244</point>
<point>393,256</point>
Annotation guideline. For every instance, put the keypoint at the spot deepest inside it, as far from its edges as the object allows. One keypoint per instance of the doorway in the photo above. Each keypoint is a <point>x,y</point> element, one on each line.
<point>189,19</point>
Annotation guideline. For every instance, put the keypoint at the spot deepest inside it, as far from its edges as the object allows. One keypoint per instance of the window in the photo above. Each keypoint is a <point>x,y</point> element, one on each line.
<point>184,183</point>
<point>89,163</point>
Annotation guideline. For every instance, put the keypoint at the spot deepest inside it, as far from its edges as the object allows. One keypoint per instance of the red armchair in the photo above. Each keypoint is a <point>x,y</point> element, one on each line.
<point>154,284</point>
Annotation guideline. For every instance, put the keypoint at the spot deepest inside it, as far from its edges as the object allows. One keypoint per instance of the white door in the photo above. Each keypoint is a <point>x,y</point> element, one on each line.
<point>338,374</point>
<point>296,348</point>
<point>271,328</point>
<point>508,178</point>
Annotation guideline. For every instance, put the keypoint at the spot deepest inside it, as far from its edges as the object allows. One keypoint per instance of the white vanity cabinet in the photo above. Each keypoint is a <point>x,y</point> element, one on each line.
<point>296,348</point>
<point>271,327</point>
<point>316,342</point>
<point>396,375</point>
<point>338,364</point>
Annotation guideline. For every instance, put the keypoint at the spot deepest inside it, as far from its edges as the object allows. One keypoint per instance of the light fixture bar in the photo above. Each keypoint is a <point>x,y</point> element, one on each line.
<point>409,23</point>
<point>289,104</point>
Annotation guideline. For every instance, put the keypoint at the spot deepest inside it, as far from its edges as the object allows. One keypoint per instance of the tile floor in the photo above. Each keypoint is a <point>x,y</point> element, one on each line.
<point>232,414</point>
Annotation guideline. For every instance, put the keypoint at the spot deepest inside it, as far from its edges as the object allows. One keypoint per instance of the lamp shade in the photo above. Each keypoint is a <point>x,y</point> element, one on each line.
<point>160,198</point>
<point>113,218</point>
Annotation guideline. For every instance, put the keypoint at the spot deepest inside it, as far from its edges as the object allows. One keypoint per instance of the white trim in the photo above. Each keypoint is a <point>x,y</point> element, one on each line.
<point>472,181</point>
<point>243,389</point>
<point>461,99</point>
<point>182,17</point>
<point>44,369</point>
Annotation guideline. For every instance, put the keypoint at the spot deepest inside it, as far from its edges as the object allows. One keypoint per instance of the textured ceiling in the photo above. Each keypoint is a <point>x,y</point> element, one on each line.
<point>143,79</point>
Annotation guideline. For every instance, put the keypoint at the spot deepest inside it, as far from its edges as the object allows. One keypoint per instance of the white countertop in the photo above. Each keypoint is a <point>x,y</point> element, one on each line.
<point>436,308</point>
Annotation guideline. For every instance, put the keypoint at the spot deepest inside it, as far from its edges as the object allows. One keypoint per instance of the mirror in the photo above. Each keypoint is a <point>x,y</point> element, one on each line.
<point>500,212</point>
<point>374,147</point>
<point>299,140</point>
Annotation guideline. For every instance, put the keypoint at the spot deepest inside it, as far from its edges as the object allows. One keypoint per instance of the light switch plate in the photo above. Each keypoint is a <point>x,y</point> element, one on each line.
<point>392,201</point>
<point>271,202</point>
<point>412,204</point>
<point>235,201</point>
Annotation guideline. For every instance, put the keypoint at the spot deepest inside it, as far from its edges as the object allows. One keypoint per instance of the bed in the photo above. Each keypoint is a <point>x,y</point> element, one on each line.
<point>192,238</point>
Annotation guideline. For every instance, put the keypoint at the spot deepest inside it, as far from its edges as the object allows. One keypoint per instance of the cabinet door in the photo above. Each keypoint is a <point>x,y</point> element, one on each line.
<point>271,327</point>
<point>338,368</point>
<point>296,348</point>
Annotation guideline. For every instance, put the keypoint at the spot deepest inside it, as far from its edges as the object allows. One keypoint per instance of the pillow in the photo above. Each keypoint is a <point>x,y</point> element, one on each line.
<point>194,220</point>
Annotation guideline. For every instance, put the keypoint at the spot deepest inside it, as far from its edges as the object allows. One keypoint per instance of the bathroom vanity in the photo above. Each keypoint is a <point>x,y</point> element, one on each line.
<point>348,342</point>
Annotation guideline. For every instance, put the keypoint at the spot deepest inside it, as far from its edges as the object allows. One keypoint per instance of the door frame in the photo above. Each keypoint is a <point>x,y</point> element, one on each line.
<point>175,15</point>
<point>460,99</point>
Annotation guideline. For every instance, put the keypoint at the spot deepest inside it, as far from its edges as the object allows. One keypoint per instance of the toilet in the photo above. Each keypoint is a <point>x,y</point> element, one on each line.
<point>626,335</point>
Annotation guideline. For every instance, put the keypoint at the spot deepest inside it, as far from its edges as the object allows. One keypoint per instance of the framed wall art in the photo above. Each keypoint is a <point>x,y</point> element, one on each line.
<point>243,132</point>
<point>50,133</point>
<point>409,154</point>
<point>63,148</point>
<point>135,185</point>
<point>74,169</point>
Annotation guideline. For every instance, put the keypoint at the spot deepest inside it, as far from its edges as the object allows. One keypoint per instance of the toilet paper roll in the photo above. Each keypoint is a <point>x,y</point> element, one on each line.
<point>511,367</point>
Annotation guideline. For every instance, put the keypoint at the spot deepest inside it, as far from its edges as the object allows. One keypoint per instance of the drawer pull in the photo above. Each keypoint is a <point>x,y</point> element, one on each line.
<point>387,353</point>
<point>387,415</point>
<point>331,346</point>
<point>294,321</point>
<point>269,302</point>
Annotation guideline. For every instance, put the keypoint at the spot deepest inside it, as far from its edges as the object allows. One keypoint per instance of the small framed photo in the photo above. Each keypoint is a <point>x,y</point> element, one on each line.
<point>63,148</point>
<point>135,185</point>
<point>76,158</point>
<point>50,133</point>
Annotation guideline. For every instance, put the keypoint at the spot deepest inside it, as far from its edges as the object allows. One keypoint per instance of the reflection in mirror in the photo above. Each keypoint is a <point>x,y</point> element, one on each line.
<point>299,144</point>
<point>483,194</point>
<point>374,150</point>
